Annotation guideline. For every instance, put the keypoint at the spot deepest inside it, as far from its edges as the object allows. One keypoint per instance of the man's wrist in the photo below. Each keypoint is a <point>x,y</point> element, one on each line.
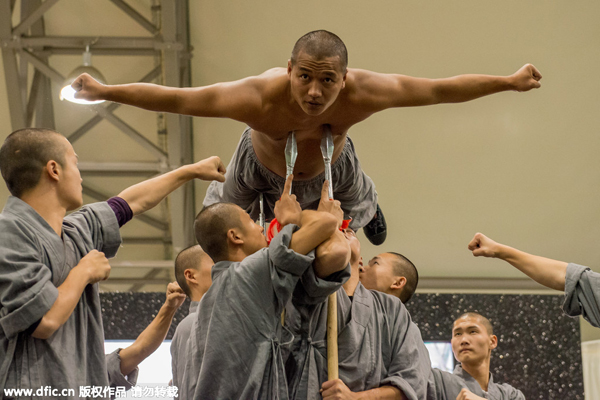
<point>82,275</point>
<point>502,251</point>
<point>290,219</point>
<point>510,82</point>
<point>169,309</point>
<point>105,92</point>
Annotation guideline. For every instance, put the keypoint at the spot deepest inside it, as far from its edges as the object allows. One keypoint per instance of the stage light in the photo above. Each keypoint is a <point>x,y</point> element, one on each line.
<point>68,93</point>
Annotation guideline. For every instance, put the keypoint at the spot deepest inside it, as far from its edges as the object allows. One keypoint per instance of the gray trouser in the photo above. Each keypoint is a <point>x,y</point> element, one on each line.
<point>246,177</point>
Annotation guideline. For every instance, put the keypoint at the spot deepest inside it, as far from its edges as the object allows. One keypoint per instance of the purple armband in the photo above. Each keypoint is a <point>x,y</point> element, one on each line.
<point>121,209</point>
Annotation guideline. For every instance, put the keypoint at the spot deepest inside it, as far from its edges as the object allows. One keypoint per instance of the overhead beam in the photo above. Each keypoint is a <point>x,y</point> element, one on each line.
<point>58,51</point>
<point>42,86</point>
<point>33,17</point>
<point>179,131</point>
<point>80,42</point>
<point>27,45</point>
<point>36,87</point>
<point>136,16</point>
<point>11,69</point>
<point>139,283</point>
<point>131,132</point>
<point>165,264</point>
<point>127,168</point>
<point>42,66</point>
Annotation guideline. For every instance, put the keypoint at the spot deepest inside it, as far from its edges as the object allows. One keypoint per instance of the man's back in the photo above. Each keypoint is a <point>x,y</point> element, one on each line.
<point>179,344</point>
<point>234,349</point>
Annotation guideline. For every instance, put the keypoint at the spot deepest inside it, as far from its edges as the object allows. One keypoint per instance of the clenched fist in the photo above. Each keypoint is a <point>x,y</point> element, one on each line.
<point>526,78</point>
<point>95,265</point>
<point>87,88</point>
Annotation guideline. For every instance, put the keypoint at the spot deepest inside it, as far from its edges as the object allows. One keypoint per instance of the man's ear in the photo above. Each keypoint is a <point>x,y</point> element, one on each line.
<point>344,79</point>
<point>289,68</point>
<point>190,275</point>
<point>399,283</point>
<point>52,168</point>
<point>234,237</point>
<point>493,341</point>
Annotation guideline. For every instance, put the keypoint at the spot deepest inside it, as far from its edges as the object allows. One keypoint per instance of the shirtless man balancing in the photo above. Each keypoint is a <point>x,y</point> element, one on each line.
<point>316,89</point>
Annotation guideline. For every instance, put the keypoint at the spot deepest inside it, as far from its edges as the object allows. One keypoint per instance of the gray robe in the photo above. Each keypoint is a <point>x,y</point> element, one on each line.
<point>447,386</point>
<point>235,346</point>
<point>179,344</point>
<point>378,345</point>
<point>115,376</point>
<point>582,293</point>
<point>34,261</point>
<point>495,390</point>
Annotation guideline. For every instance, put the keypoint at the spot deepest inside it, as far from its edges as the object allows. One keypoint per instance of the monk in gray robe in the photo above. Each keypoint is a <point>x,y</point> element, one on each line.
<point>473,340</point>
<point>51,331</point>
<point>192,271</point>
<point>580,284</point>
<point>380,349</point>
<point>394,274</point>
<point>236,344</point>
<point>122,364</point>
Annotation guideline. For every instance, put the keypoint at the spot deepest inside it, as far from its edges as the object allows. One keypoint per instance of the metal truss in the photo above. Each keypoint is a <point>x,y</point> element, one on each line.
<point>26,45</point>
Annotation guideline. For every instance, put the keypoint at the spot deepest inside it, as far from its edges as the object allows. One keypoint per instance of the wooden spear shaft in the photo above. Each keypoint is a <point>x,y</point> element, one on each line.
<point>332,326</point>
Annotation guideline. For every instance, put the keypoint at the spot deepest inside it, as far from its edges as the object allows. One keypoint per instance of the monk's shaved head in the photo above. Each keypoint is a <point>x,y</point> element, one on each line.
<point>480,318</point>
<point>190,258</point>
<point>321,44</point>
<point>24,155</point>
<point>211,227</point>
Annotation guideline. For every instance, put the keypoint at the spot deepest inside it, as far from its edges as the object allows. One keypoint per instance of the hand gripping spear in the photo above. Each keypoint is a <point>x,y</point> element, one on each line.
<point>332,345</point>
<point>291,153</point>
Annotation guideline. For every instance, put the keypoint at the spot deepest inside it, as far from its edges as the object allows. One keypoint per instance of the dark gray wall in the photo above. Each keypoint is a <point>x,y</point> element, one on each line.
<point>538,351</point>
<point>538,347</point>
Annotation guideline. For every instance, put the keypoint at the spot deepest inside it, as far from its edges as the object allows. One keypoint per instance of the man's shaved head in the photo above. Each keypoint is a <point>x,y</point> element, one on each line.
<point>321,44</point>
<point>404,267</point>
<point>24,155</point>
<point>190,258</point>
<point>480,318</point>
<point>211,227</point>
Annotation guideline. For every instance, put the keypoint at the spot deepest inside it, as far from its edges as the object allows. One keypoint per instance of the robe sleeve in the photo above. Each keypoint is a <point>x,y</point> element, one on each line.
<point>97,223</point>
<point>410,365</point>
<point>26,288</point>
<point>582,293</point>
<point>115,377</point>
<point>315,290</point>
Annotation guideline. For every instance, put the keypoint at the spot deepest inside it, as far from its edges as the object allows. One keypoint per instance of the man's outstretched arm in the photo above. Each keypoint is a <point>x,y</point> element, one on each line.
<point>146,195</point>
<point>380,91</point>
<point>545,271</point>
<point>151,338</point>
<point>237,100</point>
